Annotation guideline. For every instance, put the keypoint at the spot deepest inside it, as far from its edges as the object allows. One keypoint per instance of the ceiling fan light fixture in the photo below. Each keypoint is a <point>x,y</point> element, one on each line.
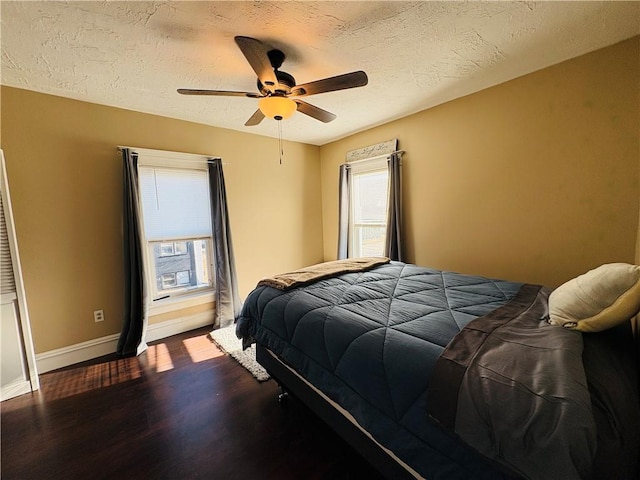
<point>278,108</point>
<point>276,86</point>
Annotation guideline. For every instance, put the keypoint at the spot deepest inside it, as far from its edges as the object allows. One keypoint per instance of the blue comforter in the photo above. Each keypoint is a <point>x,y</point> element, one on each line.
<point>370,340</point>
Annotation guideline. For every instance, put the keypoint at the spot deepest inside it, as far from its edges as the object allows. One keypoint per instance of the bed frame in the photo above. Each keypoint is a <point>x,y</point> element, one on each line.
<point>290,382</point>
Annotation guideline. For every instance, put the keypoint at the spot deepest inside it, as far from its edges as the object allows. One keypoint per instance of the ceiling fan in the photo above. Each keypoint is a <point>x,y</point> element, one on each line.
<point>279,95</point>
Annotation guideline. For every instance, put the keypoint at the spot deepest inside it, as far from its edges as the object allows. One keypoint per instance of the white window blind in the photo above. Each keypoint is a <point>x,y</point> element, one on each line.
<point>369,191</point>
<point>370,197</point>
<point>175,203</point>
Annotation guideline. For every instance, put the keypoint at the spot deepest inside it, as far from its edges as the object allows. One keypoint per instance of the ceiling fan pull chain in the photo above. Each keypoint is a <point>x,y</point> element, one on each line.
<point>280,147</point>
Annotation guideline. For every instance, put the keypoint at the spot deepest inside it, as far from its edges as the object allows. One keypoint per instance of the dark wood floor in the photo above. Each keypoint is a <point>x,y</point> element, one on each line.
<point>182,410</point>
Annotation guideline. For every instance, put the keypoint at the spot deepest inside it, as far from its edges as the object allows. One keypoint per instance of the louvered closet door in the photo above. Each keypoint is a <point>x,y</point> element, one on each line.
<point>15,368</point>
<point>7,281</point>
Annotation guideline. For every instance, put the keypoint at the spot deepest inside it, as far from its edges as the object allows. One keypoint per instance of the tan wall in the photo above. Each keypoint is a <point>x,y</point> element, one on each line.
<point>535,180</point>
<point>65,179</point>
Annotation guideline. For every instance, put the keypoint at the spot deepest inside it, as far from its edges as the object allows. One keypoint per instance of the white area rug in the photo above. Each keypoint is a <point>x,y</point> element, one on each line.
<point>226,339</point>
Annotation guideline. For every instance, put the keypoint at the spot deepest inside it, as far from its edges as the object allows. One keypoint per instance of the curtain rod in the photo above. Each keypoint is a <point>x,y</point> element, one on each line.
<point>164,153</point>
<point>385,155</point>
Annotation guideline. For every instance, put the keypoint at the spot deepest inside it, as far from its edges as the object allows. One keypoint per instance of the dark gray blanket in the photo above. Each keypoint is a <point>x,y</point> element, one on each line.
<point>514,388</point>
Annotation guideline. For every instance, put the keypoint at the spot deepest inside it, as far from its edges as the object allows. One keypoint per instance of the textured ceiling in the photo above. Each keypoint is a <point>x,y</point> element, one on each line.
<point>135,55</point>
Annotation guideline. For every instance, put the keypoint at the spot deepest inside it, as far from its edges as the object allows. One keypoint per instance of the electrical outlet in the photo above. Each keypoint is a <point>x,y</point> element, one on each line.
<point>98,316</point>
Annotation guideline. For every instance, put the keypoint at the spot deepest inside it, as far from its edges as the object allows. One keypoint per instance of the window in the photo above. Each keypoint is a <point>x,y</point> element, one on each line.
<point>368,208</point>
<point>174,248</point>
<point>167,249</point>
<point>183,264</point>
<point>168,280</point>
<point>176,215</point>
<point>183,278</point>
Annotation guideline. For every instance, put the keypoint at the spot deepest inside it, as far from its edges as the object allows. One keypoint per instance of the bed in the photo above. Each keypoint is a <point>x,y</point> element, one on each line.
<point>439,375</point>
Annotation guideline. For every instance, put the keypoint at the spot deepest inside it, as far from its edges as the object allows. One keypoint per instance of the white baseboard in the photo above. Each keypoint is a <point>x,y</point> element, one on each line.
<point>81,352</point>
<point>13,389</point>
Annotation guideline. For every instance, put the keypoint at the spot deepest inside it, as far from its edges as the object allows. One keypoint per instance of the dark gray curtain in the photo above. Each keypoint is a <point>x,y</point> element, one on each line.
<point>227,299</point>
<point>134,325</point>
<point>393,241</point>
<point>343,212</point>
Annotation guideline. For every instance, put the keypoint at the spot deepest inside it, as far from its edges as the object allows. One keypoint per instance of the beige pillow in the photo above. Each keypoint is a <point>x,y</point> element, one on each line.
<point>597,300</point>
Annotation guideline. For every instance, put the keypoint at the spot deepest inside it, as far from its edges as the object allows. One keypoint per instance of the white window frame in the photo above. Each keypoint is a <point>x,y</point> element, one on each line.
<point>166,159</point>
<point>363,167</point>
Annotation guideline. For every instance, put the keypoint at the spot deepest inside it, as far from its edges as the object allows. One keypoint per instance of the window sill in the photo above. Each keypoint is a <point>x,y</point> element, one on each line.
<point>178,303</point>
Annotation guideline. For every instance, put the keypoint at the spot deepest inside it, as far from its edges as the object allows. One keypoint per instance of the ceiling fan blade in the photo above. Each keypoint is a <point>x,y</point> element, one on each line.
<point>222,93</point>
<point>256,54</point>
<point>315,112</point>
<point>255,119</point>
<point>339,82</point>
